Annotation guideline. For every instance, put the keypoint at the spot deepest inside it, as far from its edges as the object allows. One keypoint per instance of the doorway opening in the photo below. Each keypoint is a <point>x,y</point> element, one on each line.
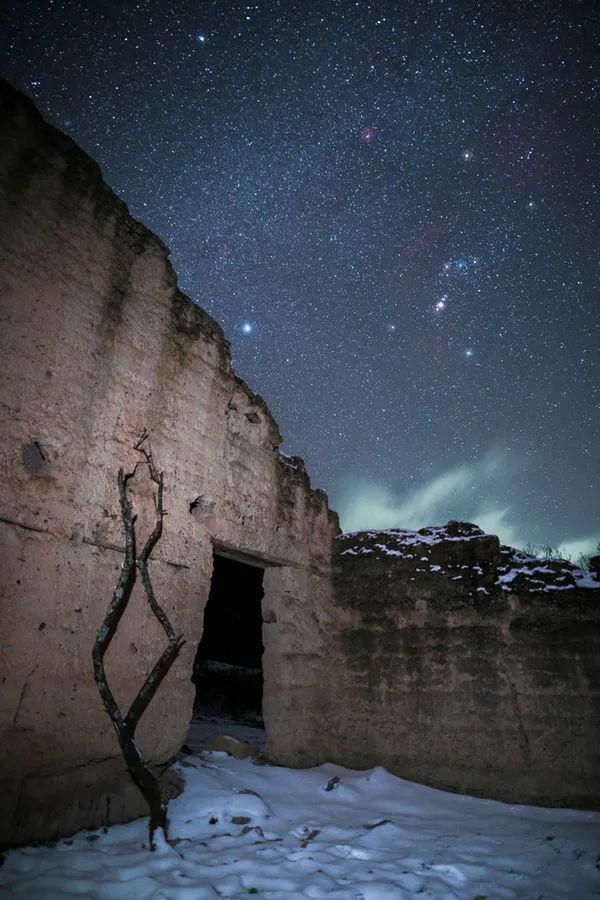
<point>227,671</point>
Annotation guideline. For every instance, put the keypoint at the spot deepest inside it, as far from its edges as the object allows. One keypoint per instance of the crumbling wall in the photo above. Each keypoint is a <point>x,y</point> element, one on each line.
<point>97,343</point>
<point>445,657</point>
<point>468,666</point>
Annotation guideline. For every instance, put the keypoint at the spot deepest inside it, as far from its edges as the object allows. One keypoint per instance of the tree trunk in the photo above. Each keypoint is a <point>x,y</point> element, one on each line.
<point>125,726</point>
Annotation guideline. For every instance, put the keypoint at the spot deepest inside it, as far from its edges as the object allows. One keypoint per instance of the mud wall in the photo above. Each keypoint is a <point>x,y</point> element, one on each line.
<point>468,666</point>
<point>97,344</point>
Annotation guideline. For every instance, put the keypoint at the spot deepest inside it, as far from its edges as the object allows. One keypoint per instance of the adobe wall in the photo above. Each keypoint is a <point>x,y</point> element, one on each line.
<point>443,656</point>
<point>97,343</point>
<point>468,666</point>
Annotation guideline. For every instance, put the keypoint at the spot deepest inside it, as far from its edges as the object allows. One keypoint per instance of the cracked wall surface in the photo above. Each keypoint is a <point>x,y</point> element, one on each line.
<point>97,344</point>
<point>468,665</point>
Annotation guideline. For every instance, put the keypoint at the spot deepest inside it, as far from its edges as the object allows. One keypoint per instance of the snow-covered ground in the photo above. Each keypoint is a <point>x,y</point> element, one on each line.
<point>240,829</point>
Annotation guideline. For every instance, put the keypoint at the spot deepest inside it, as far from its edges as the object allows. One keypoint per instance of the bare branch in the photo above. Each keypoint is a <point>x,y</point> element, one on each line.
<point>125,727</point>
<point>118,604</point>
<point>154,537</point>
<point>153,682</point>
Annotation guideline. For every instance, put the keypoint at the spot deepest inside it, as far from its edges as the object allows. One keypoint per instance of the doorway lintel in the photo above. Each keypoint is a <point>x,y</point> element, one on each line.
<point>250,557</point>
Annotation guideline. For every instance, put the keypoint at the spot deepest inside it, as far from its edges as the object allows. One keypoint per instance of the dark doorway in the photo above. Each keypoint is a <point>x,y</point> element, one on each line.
<point>228,666</point>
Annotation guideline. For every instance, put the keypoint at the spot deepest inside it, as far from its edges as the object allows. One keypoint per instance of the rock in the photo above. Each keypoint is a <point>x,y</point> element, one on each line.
<point>260,760</point>
<point>222,743</point>
<point>595,567</point>
<point>462,529</point>
<point>484,548</point>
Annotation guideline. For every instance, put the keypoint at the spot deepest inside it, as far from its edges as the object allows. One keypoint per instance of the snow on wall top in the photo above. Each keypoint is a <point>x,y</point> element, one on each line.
<point>461,551</point>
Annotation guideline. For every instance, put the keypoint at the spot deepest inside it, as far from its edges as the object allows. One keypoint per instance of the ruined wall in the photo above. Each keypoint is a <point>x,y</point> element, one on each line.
<point>443,656</point>
<point>97,343</point>
<point>468,666</point>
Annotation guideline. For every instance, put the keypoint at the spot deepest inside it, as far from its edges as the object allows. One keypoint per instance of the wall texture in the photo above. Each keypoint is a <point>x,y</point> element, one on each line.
<point>468,666</point>
<point>97,343</point>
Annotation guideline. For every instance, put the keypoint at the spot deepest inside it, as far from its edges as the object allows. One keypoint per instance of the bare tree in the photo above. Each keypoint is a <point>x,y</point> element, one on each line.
<point>125,725</point>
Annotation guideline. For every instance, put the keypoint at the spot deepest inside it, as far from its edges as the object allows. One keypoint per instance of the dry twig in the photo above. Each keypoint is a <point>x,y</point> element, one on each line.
<point>125,725</point>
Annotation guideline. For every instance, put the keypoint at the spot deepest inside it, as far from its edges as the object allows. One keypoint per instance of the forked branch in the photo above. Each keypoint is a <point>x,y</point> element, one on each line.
<point>125,726</point>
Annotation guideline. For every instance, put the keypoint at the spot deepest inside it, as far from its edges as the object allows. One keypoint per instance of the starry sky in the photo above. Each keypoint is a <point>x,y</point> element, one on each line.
<point>392,208</point>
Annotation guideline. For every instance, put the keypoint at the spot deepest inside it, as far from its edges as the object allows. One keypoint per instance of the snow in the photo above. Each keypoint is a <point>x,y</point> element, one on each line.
<point>433,534</point>
<point>585,579</point>
<point>581,578</point>
<point>290,461</point>
<point>523,570</point>
<point>538,575</point>
<point>239,829</point>
<point>389,551</point>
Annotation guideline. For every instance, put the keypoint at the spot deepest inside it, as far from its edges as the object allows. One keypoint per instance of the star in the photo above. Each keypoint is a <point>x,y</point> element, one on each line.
<point>367,134</point>
<point>247,327</point>
<point>468,155</point>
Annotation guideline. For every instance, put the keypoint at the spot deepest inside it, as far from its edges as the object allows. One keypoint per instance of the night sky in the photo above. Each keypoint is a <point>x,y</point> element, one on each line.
<point>393,211</point>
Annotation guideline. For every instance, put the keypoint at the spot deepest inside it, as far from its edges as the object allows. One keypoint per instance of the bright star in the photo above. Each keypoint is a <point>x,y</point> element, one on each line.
<point>468,352</point>
<point>367,134</point>
<point>440,305</point>
<point>200,37</point>
<point>467,155</point>
<point>247,327</point>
